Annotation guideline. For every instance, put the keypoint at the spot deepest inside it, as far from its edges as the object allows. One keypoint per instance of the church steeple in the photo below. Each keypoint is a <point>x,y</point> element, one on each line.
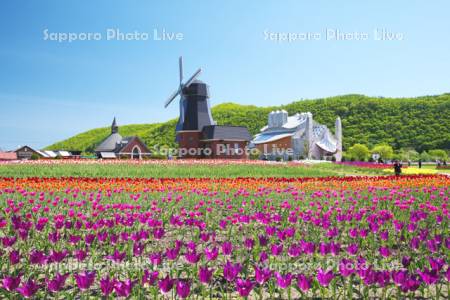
<point>114,127</point>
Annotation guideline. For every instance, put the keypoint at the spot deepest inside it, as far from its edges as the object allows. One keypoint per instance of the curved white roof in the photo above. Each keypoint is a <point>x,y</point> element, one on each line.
<point>269,137</point>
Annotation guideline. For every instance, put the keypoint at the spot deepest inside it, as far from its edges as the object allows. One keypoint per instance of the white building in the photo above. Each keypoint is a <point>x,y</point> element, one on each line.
<point>298,136</point>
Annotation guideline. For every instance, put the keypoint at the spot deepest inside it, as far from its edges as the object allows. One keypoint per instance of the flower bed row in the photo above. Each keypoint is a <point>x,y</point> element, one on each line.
<point>358,237</point>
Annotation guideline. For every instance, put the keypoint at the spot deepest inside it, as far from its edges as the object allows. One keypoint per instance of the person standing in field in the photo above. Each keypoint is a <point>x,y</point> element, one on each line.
<point>420,163</point>
<point>397,168</point>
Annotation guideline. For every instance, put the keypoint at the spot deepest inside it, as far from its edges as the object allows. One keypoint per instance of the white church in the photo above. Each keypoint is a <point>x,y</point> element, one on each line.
<point>298,137</point>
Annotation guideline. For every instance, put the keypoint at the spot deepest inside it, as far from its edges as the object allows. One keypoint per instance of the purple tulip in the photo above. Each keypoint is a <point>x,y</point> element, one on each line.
<point>352,249</point>
<point>432,245</point>
<point>363,233</point>
<point>165,284</point>
<point>324,248</point>
<point>308,247</point>
<point>411,284</point>
<point>117,256</point>
<point>436,264</point>
<point>324,278</point>
<point>8,241</point>
<point>262,275</point>
<point>106,286</point>
<point>276,249</point>
<point>10,283</point>
<point>150,277</point>
<point>80,255</point>
<point>303,282</point>
<point>211,254</point>
<point>14,257</point>
<point>89,238</point>
<point>368,275</point>
<point>231,271</point>
<point>57,256</point>
<point>205,275</point>
<point>270,231</point>
<point>346,267</point>
<point>399,277</point>
<point>249,243</point>
<point>283,281</point>
<point>415,243</point>
<point>102,236</point>
<point>244,287</point>
<point>155,258</point>
<point>124,288</point>
<point>28,289</point>
<point>57,283</point>
<point>335,248</point>
<point>384,251</point>
<point>192,257</point>
<point>429,276</point>
<point>74,239</point>
<point>37,257</point>
<point>54,237</point>
<point>158,233</point>
<point>353,232</point>
<point>84,280</point>
<point>204,236</point>
<point>294,250</point>
<point>227,248</point>
<point>263,240</point>
<point>183,288</point>
<point>383,278</point>
<point>138,249</point>
<point>406,260</point>
<point>263,256</point>
<point>191,245</point>
<point>172,253</point>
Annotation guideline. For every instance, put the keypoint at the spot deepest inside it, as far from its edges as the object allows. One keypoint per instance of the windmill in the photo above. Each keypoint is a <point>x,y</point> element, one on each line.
<point>195,112</point>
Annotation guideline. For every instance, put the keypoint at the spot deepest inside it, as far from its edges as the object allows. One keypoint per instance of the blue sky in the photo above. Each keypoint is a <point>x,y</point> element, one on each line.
<point>51,90</point>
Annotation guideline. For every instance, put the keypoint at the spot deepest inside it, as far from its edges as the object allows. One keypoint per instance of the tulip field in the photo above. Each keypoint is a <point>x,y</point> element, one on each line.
<point>327,237</point>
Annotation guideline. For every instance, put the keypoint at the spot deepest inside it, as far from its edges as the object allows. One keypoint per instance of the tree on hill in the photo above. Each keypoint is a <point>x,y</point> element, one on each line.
<point>358,152</point>
<point>407,154</point>
<point>385,151</point>
<point>438,154</point>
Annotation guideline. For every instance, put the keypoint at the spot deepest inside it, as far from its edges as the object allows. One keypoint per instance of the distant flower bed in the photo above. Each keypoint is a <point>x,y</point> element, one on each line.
<point>216,162</point>
<point>443,167</point>
<point>372,165</point>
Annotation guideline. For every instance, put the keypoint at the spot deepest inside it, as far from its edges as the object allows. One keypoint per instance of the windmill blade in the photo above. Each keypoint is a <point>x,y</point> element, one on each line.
<point>193,77</point>
<point>173,96</point>
<point>180,63</point>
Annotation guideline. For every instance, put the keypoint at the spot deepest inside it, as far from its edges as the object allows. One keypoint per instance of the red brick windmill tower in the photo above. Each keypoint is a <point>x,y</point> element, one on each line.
<point>195,112</point>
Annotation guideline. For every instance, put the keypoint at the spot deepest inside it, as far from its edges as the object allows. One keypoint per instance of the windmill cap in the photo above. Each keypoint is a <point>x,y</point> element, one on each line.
<point>196,88</point>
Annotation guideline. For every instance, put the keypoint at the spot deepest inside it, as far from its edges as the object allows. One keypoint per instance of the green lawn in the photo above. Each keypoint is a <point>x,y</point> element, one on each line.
<point>170,170</point>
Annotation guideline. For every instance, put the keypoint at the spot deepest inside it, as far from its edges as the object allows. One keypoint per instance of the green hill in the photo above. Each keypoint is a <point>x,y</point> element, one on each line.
<point>422,123</point>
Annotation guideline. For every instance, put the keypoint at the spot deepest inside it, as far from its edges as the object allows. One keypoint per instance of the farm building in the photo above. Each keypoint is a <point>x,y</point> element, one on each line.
<point>8,156</point>
<point>26,152</point>
<point>298,136</point>
<point>116,146</point>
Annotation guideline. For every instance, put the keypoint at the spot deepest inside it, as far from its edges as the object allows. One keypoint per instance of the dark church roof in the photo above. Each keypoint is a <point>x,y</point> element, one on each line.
<point>222,132</point>
<point>110,143</point>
